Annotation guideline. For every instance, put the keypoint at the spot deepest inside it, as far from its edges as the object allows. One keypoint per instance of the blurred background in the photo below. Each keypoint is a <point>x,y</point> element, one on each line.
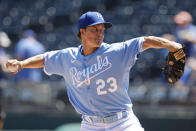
<point>31,100</point>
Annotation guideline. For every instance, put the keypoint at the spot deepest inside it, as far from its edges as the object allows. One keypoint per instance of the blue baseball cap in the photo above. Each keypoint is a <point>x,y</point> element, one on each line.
<point>92,18</point>
<point>29,33</point>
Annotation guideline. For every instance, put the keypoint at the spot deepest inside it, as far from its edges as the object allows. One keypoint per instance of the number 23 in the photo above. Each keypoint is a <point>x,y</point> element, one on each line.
<point>101,85</point>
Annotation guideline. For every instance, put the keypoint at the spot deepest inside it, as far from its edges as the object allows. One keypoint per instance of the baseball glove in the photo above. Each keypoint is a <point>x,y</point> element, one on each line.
<point>174,67</point>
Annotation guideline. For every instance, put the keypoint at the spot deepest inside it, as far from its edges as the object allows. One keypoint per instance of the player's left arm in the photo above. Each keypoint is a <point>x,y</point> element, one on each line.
<point>158,42</point>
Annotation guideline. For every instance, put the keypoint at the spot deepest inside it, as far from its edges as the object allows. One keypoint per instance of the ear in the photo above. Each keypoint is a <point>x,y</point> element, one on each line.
<point>82,31</point>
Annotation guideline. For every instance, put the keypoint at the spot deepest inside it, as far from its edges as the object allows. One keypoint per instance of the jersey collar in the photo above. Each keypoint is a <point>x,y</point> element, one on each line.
<point>80,51</point>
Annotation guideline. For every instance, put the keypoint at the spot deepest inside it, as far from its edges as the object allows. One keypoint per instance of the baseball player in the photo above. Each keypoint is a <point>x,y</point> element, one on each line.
<point>97,74</point>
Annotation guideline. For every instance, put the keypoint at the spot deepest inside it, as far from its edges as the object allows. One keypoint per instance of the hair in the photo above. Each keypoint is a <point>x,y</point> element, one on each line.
<point>79,33</point>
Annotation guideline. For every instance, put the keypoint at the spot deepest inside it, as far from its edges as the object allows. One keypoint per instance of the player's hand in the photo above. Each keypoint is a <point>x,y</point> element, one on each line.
<point>176,46</point>
<point>14,66</point>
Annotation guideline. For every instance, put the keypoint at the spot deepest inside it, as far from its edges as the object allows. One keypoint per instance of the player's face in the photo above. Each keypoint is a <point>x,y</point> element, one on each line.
<point>94,34</point>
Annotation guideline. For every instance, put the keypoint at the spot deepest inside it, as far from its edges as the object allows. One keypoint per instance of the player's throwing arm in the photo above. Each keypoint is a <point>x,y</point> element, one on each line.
<point>15,66</point>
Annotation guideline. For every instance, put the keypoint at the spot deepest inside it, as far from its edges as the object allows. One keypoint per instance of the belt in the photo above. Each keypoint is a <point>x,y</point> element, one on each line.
<point>106,119</point>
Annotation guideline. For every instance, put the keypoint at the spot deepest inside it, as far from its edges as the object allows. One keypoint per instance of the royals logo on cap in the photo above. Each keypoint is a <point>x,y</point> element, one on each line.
<point>99,16</point>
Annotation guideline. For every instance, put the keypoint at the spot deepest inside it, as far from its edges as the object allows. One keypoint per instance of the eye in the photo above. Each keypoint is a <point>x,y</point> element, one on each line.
<point>102,31</point>
<point>94,30</point>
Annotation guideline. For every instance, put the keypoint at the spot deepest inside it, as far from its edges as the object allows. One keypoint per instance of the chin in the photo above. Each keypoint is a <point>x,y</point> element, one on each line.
<point>98,44</point>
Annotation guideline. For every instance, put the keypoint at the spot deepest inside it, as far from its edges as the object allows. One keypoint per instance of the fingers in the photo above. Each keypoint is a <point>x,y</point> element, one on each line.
<point>171,63</point>
<point>13,66</point>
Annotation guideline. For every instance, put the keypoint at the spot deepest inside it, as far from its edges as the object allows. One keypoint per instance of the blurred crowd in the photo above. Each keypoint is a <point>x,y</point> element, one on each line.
<point>185,33</point>
<point>26,47</point>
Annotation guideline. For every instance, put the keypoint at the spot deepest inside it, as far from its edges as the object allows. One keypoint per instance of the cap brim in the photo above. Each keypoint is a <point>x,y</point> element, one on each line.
<point>107,24</point>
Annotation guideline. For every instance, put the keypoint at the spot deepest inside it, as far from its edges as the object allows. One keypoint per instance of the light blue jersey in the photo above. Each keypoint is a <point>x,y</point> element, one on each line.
<point>97,84</point>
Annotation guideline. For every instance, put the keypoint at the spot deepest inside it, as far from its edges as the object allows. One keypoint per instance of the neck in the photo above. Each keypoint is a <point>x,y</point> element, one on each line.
<point>88,48</point>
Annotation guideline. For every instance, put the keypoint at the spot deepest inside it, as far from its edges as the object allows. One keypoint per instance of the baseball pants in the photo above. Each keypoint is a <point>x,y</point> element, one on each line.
<point>130,123</point>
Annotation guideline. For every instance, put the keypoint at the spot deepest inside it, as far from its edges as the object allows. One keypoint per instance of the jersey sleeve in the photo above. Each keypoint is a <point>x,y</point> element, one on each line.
<point>132,48</point>
<point>53,63</point>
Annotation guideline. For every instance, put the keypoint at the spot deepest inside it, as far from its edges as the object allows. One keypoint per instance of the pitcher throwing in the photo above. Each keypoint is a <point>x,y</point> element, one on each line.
<point>97,74</point>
